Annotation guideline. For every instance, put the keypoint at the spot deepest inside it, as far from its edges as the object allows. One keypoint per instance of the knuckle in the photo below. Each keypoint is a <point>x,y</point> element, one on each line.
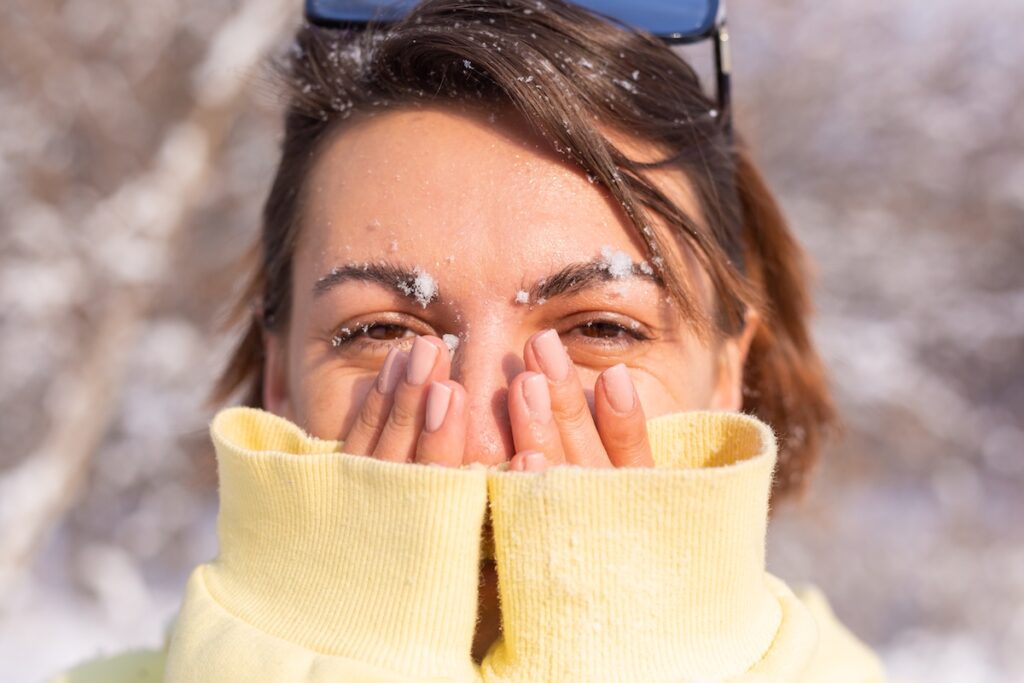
<point>625,439</point>
<point>403,415</point>
<point>574,415</point>
<point>630,442</point>
<point>368,420</point>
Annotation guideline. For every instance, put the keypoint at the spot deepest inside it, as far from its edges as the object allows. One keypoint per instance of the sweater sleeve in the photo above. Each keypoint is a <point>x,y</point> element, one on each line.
<point>647,574</point>
<point>332,566</point>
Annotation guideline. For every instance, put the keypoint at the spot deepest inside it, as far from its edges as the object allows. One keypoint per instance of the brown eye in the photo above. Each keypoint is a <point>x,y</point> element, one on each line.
<point>371,333</point>
<point>602,330</point>
<point>386,332</point>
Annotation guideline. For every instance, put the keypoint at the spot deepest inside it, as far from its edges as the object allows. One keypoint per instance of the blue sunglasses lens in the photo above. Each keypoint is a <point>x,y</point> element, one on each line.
<point>680,20</point>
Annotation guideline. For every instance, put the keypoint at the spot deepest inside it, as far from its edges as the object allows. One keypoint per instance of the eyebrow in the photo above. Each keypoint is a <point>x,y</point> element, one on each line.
<point>401,280</point>
<point>577,277</point>
<point>571,279</point>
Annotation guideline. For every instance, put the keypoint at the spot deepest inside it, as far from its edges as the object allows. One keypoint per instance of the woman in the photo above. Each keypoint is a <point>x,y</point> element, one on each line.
<point>512,241</point>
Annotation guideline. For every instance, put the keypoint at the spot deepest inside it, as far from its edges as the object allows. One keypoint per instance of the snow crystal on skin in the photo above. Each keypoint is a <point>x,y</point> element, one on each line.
<point>645,268</point>
<point>617,262</point>
<point>346,333</point>
<point>423,288</point>
<point>338,339</point>
<point>393,246</point>
<point>452,341</point>
<point>522,297</point>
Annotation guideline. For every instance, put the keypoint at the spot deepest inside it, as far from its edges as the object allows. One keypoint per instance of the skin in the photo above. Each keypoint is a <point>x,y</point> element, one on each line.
<point>481,205</point>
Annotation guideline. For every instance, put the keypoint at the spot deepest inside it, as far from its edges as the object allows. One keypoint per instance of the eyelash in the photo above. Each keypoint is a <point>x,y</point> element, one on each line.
<point>632,331</point>
<point>348,335</point>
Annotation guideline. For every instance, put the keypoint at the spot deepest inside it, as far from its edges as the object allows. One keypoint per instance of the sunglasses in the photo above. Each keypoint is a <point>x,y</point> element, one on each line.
<point>676,22</point>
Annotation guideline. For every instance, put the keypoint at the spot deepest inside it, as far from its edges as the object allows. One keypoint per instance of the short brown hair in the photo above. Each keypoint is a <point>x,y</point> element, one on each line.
<point>567,72</point>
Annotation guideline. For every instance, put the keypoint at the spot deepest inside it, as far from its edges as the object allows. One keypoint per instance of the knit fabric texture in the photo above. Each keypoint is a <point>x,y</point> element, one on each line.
<point>337,567</point>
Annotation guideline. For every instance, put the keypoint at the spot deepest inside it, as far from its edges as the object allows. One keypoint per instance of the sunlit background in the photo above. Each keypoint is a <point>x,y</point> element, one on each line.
<point>137,142</point>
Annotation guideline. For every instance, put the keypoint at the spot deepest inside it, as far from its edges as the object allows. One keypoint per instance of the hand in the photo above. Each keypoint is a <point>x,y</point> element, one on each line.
<point>551,420</point>
<point>413,412</point>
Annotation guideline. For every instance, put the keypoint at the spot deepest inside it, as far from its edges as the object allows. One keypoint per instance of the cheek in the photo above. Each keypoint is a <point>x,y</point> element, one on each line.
<point>676,387</point>
<point>328,397</point>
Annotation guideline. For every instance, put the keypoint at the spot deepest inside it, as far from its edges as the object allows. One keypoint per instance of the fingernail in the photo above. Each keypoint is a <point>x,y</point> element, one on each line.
<point>438,398</point>
<point>538,400</point>
<point>421,361</point>
<point>619,388</point>
<point>391,371</point>
<point>551,355</point>
<point>533,460</point>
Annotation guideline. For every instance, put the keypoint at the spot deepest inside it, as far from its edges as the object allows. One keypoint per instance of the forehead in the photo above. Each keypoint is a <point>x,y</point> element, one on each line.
<point>476,195</point>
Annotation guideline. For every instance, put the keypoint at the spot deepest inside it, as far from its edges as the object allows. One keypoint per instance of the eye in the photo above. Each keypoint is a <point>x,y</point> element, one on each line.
<point>370,332</point>
<point>599,329</point>
<point>607,331</point>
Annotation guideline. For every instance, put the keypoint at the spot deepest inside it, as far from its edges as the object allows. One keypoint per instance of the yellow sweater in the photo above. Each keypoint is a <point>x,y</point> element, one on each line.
<point>335,567</point>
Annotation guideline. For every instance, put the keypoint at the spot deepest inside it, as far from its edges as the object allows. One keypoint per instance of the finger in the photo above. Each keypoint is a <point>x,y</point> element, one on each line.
<point>580,440</point>
<point>428,362</point>
<point>529,461</point>
<point>620,419</point>
<point>373,413</point>
<point>529,411</point>
<point>443,439</point>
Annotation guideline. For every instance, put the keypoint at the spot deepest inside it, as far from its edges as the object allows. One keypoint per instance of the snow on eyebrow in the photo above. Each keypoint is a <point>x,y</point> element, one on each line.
<point>612,264</point>
<point>422,287</point>
<point>618,263</point>
<point>522,297</point>
<point>415,282</point>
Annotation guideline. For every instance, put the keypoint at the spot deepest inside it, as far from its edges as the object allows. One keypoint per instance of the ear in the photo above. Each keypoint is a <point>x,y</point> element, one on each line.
<point>732,358</point>
<point>276,395</point>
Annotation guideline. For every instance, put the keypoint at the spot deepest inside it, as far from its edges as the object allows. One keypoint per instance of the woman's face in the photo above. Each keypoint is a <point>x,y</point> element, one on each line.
<point>489,237</point>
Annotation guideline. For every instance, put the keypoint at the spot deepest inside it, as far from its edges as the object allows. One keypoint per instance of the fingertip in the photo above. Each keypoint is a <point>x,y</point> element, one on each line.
<point>620,419</point>
<point>528,461</point>
<point>442,438</point>
<point>550,355</point>
<point>529,357</point>
<point>439,399</point>
<point>436,341</point>
<point>457,406</point>
<point>617,389</point>
<point>534,461</point>
<point>392,371</point>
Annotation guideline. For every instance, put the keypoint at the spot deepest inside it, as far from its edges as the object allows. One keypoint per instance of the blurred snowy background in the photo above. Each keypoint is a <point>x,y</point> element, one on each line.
<point>137,145</point>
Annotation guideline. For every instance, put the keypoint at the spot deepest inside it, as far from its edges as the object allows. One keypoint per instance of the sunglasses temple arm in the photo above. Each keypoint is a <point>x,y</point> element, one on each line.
<point>723,77</point>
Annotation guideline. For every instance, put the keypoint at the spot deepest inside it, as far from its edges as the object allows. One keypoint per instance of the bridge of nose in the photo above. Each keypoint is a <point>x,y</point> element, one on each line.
<point>486,361</point>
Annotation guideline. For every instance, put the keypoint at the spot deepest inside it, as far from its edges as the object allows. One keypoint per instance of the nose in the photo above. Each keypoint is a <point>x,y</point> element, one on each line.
<point>484,365</point>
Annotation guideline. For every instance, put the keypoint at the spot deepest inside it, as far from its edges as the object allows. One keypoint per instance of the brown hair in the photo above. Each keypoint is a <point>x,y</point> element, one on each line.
<point>568,72</point>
